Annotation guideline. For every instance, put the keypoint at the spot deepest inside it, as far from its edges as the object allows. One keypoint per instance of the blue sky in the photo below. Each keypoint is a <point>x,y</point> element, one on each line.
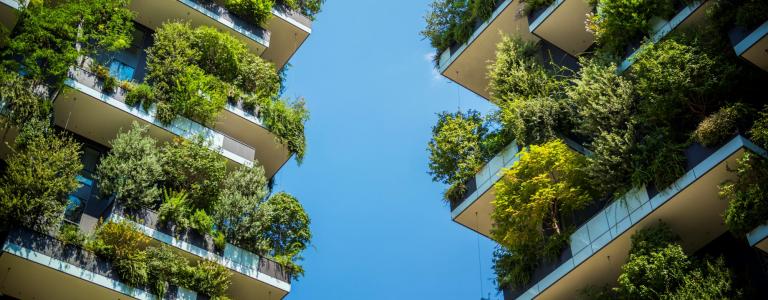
<point>381,230</point>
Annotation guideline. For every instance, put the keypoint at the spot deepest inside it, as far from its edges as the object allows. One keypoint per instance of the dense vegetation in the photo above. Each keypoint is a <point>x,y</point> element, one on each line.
<point>194,72</point>
<point>636,127</point>
<point>658,268</point>
<point>198,194</point>
<point>260,11</point>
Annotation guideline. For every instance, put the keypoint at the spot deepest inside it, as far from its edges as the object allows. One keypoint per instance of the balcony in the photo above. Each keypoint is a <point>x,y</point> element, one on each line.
<point>599,247</point>
<point>474,211</point>
<point>562,24</point>
<point>288,30</point>
<point>69,272</point>
<point>153,13</point>
<point>754,46</point>
<point>466,64</point>
<point>688,16</point>
<point>253,277</point>
<point>85,110</point>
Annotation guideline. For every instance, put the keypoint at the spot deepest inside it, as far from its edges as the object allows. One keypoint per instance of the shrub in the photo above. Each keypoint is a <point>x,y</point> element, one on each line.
<point>451,22</point>
<point>759,131</point>
<point>211,278</point>
<point>658,268</point>
<point>658,160</point>
<point>721,125</point>
<point>286,121</point>
<point>41,171</point>
<point>120,239</point>
<point>70,234</point>
<point>141,94</point>
<point>165,267</point>
<point>610,168</point>
<point>309,8</point>
<point>201,222</point>
<point>619,22</point>
<point>517,73</point>
<point>534,120</point>
<point>191,166</point>
<point>132,268</point>
<point>219,240</point>
<point>747,205</point>
<point>175,208</point>
<point>132,169</point>
<point>256,11</point>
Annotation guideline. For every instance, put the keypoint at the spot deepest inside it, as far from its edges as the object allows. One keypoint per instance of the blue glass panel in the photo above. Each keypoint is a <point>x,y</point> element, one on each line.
<point>120,70</point>
<point>74,209</point>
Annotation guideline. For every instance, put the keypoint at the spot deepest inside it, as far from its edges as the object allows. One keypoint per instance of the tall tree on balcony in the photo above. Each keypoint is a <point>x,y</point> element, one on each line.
<point>41,172</point>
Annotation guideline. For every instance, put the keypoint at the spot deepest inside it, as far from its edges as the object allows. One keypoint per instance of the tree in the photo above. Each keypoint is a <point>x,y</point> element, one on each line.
<point>747,204</point>
<point>21,103</point>
<point>532,198</point>
<point>309,8</point>
<point>518,72</point>
<point>133,169</point>
<point>51,35</point>
<point>191,166</point>
<point>41,173</point>
<point>242,193</point>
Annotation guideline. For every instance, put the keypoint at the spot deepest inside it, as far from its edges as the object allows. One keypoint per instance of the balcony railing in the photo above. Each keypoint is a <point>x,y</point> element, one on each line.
<point>88,83</point>
<point>217,12</point>
<point>233,257</point>
<point>60,257</point>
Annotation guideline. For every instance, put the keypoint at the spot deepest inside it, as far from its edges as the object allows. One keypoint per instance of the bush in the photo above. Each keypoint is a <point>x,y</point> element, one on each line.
<point>451,22</point>
<point>191,166</point>
<point>533,198</point>
<point>658,268</point>
<point>518,73</point>
<point>256,11</point>
<point>658,160</point>
<point>219,240</point>
<point>759,131</point>
<point>132,268</point>
<point>309,8</point>
<point>141,94</point>
<point>747,205</point>
<point>721,125</point>
<point>165,267</point>
<point>211,278</point>
<point>70,234</point>
<point>175,208</point>
<point>286,121</point>
<point>120,239</point>
<point>610,168</point>
<point>535,120</point>
<point>41,171</point>
<point>620,22</point>
<point>201,222</point>
<point>132,169</point>
<point>242,193</point>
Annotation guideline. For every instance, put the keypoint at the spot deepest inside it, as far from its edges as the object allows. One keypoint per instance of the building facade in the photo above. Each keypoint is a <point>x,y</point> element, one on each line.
<point>598,241</point>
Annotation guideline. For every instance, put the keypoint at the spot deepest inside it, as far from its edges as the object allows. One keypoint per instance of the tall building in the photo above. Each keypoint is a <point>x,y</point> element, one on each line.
<point>94,105</point>
<point>598,238</point>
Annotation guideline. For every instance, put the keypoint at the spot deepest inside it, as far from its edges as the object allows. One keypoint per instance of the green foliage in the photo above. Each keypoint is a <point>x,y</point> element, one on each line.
<point>680,80</point>
<point>20,101</point>
<point>759,131</point>
<point>47,33</point>
<point>461,143</point>
<point>747,204</point>
<point>211,278</point>
<point>620,22</point>
<point>533,5</point>
<point>70,234</point>
<point>604,100</point>
<point>451,22</point>
<point>721,125</point>
<point>532,198</point>
<point>132,169</point>
<point>517,73</point>
<point>256,11</point>
<point>175,208</point>
<point>219,240</point>
<point>658,268</point>
<point>309,8</point>
<point>286,121</point>
<point>141,94</point>
<point>41,172</point>
<point>191,166</point>
<point>201,222</point>
<point>534,120</point>
<point>610,167</point>
<point>242,193</point>
<point>658,160</point>
<point>132,268</point>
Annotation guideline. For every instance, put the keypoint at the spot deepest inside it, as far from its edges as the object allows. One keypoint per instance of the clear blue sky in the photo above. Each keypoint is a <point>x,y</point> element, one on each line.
<point>381,230</point>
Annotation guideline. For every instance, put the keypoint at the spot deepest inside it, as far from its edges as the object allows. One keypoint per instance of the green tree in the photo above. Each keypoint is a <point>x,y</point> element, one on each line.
<point>284,232</point>
<point>51,35</point>
<point>41,172</point>
<point>747,204</point>
<point>617,23</point>
<point>455,149</point>
<point>534,120</point>
<point>133,169</point>
<point>256,11</point>
<point>286,121</point>
<point>309,8</point>
<point>242,193</point>
<point>20,102</point>
<point>518,72</point>
<point>191,166</point>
